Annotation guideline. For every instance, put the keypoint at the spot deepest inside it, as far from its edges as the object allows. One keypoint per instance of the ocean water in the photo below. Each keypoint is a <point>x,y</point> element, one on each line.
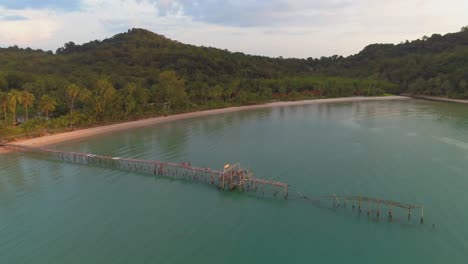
<point>409,151</point>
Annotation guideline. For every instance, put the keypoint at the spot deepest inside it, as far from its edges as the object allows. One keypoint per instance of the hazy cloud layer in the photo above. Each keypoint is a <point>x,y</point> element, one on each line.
<point>253,13</point>
<point>22,4</point>
<point>294,28</point>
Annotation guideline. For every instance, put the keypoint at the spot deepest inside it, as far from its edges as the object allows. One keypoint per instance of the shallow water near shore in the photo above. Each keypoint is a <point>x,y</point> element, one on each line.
<point>409,151</point>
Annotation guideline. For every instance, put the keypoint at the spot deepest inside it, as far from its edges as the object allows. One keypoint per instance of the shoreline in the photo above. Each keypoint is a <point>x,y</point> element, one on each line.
<point>88,132</point>
<point>440,99</point>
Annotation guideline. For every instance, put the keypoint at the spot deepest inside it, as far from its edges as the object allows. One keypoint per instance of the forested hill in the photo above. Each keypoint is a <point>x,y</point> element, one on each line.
<point>139,56</point>
<point>436,65</point>
<point>142,48</point>
<point>140,73</point>
<point>430,65</point>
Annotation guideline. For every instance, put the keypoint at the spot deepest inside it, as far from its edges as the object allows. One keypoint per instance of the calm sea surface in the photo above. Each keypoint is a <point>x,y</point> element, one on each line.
<point>408,151</point>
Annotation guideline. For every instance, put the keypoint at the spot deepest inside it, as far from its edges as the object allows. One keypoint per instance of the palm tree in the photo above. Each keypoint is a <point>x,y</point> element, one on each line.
<point>105,92</point>
<point>130,88</point>
<point>129,93</point>
<point>85,96</point>
<point>73,91</point>
<point>47,104</point>
<point>14,98</point>
<point>446,86</point>
<point>27,99</point>
<point>130,104</point>
<point>4,102</point>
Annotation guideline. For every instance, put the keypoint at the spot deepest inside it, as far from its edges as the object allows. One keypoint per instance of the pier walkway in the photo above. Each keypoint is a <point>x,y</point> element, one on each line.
<point>231,177</point>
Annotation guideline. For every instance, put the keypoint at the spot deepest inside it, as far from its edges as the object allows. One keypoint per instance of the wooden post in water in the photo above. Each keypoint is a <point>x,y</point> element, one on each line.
<point>378,210</point>
<point>422,214</point>
<point>223,182</point>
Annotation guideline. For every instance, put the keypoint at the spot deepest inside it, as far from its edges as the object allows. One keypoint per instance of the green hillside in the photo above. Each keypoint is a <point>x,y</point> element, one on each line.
<point>141,74</point>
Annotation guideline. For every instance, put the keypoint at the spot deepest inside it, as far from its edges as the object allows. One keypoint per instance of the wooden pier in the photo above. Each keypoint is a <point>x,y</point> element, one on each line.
<point>369,205</point>
<point>231,177</point>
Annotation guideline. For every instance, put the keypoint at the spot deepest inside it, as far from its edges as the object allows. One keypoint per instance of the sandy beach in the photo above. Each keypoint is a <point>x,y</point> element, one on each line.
<point>443,99</point>
<point>82,133</point>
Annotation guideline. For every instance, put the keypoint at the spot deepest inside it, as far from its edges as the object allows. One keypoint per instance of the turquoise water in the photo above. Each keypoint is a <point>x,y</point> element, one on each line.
<point>409,151</point>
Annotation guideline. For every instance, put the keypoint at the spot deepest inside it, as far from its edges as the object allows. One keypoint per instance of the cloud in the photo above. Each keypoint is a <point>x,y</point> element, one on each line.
<point>288,28</point>
<point>12,18</point>
<point>28,4</point>
<point>33,26</point>
<point>251,13</point>
<point>94,19</point>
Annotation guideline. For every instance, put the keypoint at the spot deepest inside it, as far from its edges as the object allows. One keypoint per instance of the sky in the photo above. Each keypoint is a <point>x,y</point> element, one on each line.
<point>288,28</point>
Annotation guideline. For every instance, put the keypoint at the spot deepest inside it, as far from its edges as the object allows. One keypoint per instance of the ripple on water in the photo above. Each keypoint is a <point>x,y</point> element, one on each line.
<point>452,141</point>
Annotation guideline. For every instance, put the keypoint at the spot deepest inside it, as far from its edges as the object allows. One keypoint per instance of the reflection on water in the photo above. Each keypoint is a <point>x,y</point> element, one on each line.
<point>410,151</point>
